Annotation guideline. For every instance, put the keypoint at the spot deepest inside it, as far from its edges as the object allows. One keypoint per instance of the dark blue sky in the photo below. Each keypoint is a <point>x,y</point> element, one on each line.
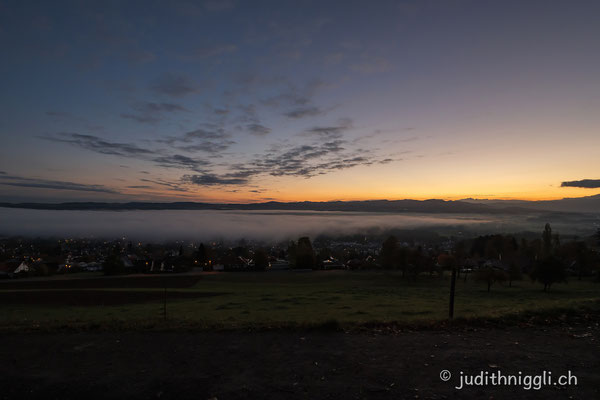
<point>251,100</point>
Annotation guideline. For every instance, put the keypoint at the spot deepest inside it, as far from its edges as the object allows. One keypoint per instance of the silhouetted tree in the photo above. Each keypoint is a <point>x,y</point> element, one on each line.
<point>549,270</point>
<point>305,255</point>
<point>578,256</point>
<point>200,255</point>
<point>388,252</point>
<point>490,275</point>
<point>401,259</point>
<point>261,259</point>
<point>113,264</point>
<point>547,241</point>
<point>514,273</point>
<point>291,253</point>
<point>446,261</point>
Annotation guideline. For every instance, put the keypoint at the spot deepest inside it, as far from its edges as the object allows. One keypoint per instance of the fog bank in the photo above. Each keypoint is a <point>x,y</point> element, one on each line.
<point>258,225</point>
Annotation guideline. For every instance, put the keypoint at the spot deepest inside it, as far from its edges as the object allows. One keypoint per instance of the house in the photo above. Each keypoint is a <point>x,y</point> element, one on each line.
<point>23,268</point>
<point>280,265</point>
<point>218,267</point>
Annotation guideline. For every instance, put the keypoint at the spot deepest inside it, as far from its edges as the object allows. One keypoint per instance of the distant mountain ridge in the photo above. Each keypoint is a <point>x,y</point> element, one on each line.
<point>590,204</point>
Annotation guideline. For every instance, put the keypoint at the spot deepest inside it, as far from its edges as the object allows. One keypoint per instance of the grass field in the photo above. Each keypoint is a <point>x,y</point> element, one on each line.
<point>275,299</point>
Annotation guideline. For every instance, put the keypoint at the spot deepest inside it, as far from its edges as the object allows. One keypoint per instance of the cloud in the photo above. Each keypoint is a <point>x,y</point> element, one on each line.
<point>180,161</point>
<point>248,114</point>
<point>212,180</point>
<point>306,160</point>
<point>258,129</point>
<point>98,145</point>
<point>330,132</point>
<point>151,113</point>
<point>221,111</point>
<point>149,107</point>
<point>139,187</point>
<point>210,139</point>
<point>174,85</point>
<point>302,112</point>
<point>294,96</point>
<point>143,119</point>
<point>175,186</point>
<point>584,183</point>
<point>19,181</point>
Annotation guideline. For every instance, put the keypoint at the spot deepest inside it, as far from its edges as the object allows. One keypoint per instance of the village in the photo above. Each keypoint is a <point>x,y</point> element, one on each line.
<point>495,258</point>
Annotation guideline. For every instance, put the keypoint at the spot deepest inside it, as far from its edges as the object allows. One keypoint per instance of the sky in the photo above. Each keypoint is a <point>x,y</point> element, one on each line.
<point>252,101</point>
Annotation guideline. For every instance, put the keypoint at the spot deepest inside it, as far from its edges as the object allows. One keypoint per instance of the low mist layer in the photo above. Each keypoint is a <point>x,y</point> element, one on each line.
<point>264,225</point>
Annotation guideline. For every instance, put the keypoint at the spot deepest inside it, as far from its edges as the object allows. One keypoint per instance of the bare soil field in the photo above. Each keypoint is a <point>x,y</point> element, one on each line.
<point>287,364</point>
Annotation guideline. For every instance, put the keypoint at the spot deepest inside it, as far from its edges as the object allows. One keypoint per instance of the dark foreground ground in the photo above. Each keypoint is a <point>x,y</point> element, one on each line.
<point>296,364</point>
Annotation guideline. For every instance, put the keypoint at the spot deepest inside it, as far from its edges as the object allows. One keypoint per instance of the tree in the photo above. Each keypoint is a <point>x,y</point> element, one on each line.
<point>549,270</point>
<point>446,261</point>
<point>388,252</point>
<point>305,255</point>
<point>200,255</point>
<point>113,264</point>
<point>261,260</point>
<point>401,258</point>
<point>547,241</point>
<point>490,275</point>
<point>291,252</point>
<point>577,255</point>
<point>514,273</point>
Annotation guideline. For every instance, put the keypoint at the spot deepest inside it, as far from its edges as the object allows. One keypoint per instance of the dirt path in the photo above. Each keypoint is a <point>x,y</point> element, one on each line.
<point>294,365</point>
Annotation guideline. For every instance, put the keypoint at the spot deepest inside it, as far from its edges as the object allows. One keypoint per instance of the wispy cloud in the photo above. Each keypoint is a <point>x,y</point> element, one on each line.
<point>330,132</point>
<point>142,118</point>
<point>39,183</point>
<point>149,112</point>
<point>129,150</point>
<point>180,161</point>
<point>210,139</point>
<point>139,187</point>
<point>96,144</point>
<point>212,180</point>
<point>174,186</point>
<point>174,85</point>
<point>258,129</point>
<point>302,112</point>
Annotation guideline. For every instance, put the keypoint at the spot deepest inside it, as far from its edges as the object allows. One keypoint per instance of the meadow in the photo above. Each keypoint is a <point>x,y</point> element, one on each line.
<point>286,299</point>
